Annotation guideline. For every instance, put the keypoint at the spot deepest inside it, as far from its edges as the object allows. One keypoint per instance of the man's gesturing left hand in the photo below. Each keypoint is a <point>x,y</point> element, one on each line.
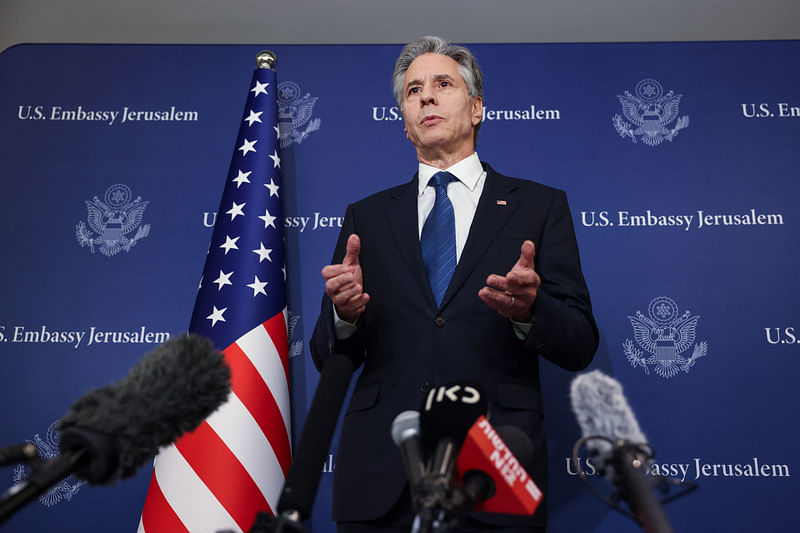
<point>512,295</point>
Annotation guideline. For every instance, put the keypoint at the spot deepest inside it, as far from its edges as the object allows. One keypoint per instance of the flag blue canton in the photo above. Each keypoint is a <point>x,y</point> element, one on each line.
<point>243,281</point>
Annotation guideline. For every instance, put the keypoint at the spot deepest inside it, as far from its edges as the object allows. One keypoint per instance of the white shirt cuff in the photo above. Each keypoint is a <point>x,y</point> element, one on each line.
<point>341,328</point>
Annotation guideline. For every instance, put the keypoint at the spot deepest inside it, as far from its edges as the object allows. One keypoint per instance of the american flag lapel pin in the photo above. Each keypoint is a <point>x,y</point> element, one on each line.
<point>502,202</point>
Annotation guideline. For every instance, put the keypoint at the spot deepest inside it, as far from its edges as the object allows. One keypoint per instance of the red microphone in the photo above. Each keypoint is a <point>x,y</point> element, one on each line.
<point>492,475</point>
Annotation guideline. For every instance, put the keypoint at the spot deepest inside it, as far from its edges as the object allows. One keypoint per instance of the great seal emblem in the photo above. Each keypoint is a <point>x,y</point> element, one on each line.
<point>650,111</point>
<point>111,220</point>
<point>665,334</point>
<point>295,123</point>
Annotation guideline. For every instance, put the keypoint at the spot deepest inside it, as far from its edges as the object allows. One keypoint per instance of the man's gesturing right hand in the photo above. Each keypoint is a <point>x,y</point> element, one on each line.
<point>344,283</point>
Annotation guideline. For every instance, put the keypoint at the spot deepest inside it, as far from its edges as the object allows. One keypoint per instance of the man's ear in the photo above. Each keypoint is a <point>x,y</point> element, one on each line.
<point>477,111</point>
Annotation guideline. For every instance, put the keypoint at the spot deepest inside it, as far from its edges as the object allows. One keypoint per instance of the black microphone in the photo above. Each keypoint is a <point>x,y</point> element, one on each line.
<point>303,478</point>
<point>113,430</point>
<point>612,434</point>
<point>18,453</point>
<point>406,435</point>
<point>447,413</point>
<point>446,416</point>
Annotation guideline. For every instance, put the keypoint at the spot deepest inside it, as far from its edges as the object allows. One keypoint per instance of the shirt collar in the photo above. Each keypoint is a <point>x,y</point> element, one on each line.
<point>468,171</point>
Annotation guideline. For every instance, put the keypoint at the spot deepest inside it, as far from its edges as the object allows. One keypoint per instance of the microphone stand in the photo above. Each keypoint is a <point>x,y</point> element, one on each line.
<point>442,504</point>
<point>430,496</point>
<point>41,479</point>
<point>19,453</point>
<point>637,489</point>
<point>625,465</point>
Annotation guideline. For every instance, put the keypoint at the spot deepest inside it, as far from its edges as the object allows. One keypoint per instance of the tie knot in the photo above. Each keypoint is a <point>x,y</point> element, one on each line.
<point>441,179</point>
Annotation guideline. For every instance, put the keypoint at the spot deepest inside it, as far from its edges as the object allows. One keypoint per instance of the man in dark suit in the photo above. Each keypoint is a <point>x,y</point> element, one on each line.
<point>464,275</point>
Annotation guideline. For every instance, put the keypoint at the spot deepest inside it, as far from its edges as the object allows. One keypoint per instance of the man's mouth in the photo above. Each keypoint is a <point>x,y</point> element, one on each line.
<point>430,120</point>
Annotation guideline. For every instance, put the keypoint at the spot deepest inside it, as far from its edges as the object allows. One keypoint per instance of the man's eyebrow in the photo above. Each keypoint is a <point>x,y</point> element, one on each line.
<point>439,77</point>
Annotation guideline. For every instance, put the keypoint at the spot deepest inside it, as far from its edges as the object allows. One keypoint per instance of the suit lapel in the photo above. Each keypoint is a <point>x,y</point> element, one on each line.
<point>405,228</point>
<point>498,202</point>
<point>496,205</point>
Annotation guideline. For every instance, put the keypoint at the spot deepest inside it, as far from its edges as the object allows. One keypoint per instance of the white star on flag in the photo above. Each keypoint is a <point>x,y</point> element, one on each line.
<point>241,177</point>
<point>248,146</point>
<point>258,287</point>
<point>273,189</point>
<point>235,210</point>
<point>223,279</point>
<point>216,316</point>
<point>263,253</point>
<point>260,88</point>
<point>276,161</point>
<point>268,219</point>
<point>229,244</point>
<point>254,117</point>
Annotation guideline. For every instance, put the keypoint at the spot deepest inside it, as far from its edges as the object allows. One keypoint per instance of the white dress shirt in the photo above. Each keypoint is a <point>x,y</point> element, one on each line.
<point>463,193</point>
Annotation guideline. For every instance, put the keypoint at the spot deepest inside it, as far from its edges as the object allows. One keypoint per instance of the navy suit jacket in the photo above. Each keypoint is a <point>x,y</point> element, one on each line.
<point>406,344</point>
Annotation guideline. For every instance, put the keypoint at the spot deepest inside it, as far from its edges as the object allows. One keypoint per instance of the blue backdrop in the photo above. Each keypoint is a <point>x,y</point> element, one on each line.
<point>686,213</point>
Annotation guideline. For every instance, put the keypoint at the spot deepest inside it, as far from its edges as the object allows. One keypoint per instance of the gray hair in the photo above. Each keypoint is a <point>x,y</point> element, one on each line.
<point>467,66</point>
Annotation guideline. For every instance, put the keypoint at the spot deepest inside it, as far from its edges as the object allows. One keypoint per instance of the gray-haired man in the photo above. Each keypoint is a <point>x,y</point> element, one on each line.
<point>460,274</point>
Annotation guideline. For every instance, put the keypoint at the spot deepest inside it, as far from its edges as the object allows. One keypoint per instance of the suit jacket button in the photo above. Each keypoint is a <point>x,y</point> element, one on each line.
<point>439,321</point>
<point>426,386</point>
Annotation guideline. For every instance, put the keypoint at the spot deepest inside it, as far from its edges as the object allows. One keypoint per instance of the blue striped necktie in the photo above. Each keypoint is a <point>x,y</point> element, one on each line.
<point>438,239</point>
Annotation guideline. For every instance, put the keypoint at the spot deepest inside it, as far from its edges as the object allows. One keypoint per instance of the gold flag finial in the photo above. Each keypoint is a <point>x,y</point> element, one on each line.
<point>266,59</point>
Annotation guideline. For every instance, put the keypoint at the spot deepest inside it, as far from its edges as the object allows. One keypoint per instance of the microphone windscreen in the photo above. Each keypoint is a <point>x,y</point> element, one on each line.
<point>170,391</point>
<point>601,409</point>
<point>449,410</point>
<point>405,426</point>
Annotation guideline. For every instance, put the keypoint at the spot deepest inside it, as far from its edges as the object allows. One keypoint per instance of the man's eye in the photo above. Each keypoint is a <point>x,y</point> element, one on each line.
<point>413,90</point>
<point>445,84</point>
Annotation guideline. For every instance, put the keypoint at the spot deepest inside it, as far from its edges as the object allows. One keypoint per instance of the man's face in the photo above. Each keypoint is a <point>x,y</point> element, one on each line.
<point>438,112</point>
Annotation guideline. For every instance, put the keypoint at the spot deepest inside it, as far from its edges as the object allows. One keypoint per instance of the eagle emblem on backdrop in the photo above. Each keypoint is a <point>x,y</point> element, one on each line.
<point>112,220</point>
<point>295,122</point>
<point>48,448</point>
<point>649,113</point>
<point>664,334</point>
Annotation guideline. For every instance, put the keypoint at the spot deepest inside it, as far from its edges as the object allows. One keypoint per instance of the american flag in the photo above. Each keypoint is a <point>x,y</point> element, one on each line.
<point>233,465</point>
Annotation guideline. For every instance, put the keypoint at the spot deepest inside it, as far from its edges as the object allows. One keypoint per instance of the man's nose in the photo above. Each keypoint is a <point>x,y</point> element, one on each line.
<point>427,96</point>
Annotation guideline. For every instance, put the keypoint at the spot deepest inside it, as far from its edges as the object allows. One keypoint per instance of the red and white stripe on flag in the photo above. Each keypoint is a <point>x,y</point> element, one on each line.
<point>233,466</point>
